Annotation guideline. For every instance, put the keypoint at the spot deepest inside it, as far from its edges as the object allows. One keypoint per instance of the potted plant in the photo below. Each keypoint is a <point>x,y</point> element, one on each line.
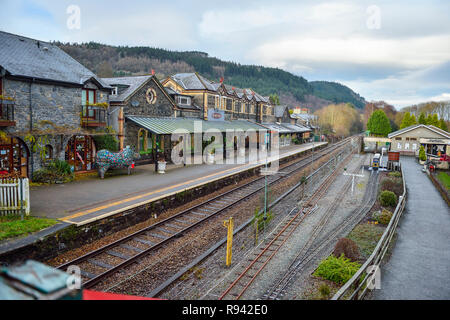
<point>161,163</point>
<point>422,155</point>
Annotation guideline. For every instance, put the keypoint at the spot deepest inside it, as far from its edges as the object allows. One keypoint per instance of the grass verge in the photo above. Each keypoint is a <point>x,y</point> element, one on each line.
<point>13,226</point>
<point>445,179</point>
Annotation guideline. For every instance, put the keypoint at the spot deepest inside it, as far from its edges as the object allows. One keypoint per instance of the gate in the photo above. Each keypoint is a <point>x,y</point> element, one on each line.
<point>14,196</point>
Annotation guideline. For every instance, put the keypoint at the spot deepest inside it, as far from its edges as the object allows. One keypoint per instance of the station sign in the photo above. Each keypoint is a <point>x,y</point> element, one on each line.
<point>216,115</point>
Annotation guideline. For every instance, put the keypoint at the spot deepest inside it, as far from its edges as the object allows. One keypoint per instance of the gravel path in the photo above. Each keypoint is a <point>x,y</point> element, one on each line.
<point>213,270</point>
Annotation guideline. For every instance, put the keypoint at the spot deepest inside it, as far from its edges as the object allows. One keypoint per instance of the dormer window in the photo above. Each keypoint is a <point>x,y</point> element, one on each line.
<point>184,100</point>
<point>115,91</point>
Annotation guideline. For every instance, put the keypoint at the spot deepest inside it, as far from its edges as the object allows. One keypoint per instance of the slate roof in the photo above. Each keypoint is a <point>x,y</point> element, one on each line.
<point>25,57</point>
<point>279,111</point>
<point>193,81</point>
<point>133,83</point>
<point>415,126</point>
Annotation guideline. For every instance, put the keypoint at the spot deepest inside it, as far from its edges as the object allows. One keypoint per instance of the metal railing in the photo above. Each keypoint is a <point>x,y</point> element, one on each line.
<point>363,280</point>
<point>93,116</point>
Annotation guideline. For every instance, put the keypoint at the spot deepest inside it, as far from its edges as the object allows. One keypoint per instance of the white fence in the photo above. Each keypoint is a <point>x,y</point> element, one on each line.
<point>366,277</point>
<point>14,196</point>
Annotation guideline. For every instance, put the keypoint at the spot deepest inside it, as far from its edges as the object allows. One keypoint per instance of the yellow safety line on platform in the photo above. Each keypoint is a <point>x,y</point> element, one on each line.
<point>82,213</point>
<point>86,212</point>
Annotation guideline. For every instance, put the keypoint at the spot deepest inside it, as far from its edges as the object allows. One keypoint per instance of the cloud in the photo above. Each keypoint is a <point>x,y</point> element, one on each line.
<point>404,61</point>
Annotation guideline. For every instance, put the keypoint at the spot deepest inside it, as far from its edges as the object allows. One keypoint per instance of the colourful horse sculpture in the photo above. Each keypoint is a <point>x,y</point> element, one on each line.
<point>114,160</point>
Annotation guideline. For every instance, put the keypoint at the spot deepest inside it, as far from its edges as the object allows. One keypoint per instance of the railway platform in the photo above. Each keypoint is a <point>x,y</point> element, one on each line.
<point>86,201</point>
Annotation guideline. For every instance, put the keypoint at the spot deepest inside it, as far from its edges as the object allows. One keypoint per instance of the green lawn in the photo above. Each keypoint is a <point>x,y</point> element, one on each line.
<point>12,226</point>
<point>445,179</point>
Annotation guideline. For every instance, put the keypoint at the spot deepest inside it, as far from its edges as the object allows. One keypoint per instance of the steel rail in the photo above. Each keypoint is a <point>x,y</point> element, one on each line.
<point>305,256</point>
<point>312,200</point>
<point>99,277</point>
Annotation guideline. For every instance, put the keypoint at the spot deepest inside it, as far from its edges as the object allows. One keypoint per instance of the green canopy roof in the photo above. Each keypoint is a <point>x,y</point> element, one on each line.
<point>171,125</point>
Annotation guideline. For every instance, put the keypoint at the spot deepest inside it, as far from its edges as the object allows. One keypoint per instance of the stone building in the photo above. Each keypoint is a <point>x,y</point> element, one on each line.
<point>407,141</point>
<point>236,103</point>
<point>144,96</point>
<point>51,107</point>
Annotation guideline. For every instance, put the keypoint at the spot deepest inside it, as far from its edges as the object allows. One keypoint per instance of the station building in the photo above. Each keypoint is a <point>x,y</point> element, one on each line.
<point>407,141</point>
<point>51,107</point>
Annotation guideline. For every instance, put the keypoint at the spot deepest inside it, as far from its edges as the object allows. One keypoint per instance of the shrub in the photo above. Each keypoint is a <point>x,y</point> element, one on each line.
<point>394,185</point>
<point>324,291</point>
<point>346,247</point>
<point>56,171</point>
<point>107,142</point>
<point>388,198</point>
<point>385,217</point>
<point>395,174</point>
<point>422,155</point>
<point>338,270</point>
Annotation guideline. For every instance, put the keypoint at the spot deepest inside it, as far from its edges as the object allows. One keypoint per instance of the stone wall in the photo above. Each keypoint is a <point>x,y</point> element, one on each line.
<point>54,114</point>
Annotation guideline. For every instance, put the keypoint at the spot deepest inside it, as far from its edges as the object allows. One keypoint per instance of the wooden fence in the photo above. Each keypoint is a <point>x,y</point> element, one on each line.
<point>14,196</point>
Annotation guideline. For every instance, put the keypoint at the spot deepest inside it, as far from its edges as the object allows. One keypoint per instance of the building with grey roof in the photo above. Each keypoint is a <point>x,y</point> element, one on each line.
<point>51,107</point>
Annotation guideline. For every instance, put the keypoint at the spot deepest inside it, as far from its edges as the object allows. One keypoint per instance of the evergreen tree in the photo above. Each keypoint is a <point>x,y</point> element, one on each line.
<point>429,119</point>
<point>406,120</point>
<point>443,125</point>
<point>379,123</point>
<point>422,118</point>
<point>435,120</point>
<point>412,120</point>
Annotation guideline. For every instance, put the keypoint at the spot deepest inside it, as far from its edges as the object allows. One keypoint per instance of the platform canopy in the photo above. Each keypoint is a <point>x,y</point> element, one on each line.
<point>286,127</point>
<point>295,128</point>
<point>170,125</point>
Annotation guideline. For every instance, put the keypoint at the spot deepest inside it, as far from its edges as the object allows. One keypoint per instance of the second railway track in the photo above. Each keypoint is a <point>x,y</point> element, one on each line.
<point>131,248</point>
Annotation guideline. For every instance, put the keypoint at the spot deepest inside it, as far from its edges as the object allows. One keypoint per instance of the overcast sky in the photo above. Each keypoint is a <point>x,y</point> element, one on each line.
<point>397,51</point>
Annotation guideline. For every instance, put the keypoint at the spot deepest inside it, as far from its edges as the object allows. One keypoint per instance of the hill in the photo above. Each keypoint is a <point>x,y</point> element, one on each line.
<point>108,61</point>
<point>337,93</point>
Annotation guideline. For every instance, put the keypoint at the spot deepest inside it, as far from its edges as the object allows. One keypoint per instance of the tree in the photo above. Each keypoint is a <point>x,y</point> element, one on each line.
<point>379,123</point>
<point>435,120</point>
<point>443,125</point>
<point>408,120</point>
<point>274,99</point>
<point>422,118</point>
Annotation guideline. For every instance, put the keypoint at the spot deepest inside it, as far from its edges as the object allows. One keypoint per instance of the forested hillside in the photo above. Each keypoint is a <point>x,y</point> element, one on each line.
<point>108,61</point>
<point>337,93</point>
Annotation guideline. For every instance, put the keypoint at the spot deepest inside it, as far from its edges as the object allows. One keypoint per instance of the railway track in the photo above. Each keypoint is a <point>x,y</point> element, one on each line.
<point>308,251</point>
<point>243,281</point>
<point>131,248</point>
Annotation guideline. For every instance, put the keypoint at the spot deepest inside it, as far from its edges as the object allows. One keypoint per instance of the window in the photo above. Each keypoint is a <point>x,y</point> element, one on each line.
<point>229,104</point>
<point>88,97</point>
<point>48,152</point>
<point>115,91</point>
<point>399,146</point>
<point>406,146</point>
<point>414,146</point>
<point>398,138</point>
<point>184,100</point>
<point>211,101</point>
